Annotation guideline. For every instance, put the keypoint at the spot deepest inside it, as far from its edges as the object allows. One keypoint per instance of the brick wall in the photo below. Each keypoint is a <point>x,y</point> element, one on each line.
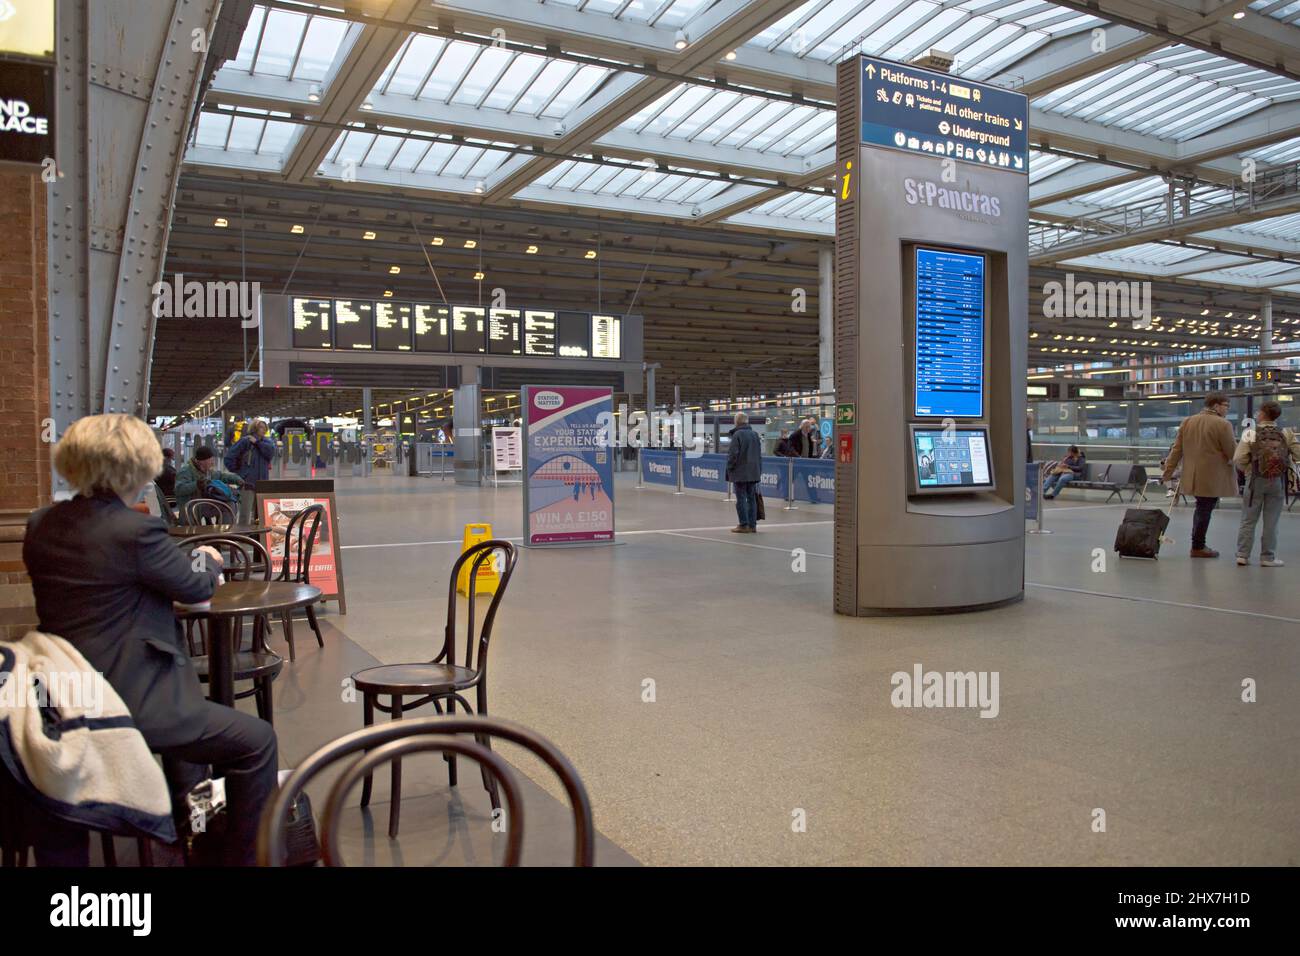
<point>24,385</point>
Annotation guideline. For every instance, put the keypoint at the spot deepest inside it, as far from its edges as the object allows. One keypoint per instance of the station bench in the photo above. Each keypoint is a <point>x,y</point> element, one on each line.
<point>1114,478</point>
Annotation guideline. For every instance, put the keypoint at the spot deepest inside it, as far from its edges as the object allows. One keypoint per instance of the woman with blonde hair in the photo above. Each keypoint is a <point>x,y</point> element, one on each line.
<point>105,577</point>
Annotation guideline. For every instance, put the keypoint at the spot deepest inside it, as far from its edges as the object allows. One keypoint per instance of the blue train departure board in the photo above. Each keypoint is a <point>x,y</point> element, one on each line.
<point>949,381</point>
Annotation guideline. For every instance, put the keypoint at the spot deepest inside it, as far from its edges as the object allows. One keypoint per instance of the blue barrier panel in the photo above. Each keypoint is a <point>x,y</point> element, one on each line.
<point>705,473</point>
<point>814,481</point>
<point>1033,489</point>
<point>772,483</point>
<point>659,467</point>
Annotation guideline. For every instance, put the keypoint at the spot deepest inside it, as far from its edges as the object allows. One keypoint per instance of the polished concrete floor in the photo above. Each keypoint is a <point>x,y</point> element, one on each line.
<point>771,737</point>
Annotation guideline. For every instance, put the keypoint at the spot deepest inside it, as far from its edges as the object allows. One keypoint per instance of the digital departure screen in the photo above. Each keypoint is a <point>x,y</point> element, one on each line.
<point>432,333</point>
<point>605,337</point>
<point>503,331</point>
<point>466,328</point>
<point>949,381</point>
<point>539,332</point>
<point>950,460</point>
<point>573,334</point>
<point>311,323</point>
<point>393,326</point>
<point>354,324</point>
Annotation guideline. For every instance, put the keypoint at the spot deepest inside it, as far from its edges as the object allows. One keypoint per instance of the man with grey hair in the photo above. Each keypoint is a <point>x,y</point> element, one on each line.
<point>744,469</point>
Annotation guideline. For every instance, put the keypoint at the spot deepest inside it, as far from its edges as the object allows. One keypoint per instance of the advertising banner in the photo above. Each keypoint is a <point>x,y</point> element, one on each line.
<point>277,509</point>
<point>775,474</point>
<point>705,473</point>
<point>814,481</point>
<point>568,466</point>
<point>659,467</point>
<point>1033,489</point>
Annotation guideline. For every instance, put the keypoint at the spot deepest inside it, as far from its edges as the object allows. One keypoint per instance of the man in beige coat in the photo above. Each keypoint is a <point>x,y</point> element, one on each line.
<point>1205,446</point>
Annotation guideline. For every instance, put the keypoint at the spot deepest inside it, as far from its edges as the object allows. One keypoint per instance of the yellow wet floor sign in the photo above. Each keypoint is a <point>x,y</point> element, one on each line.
<point>487,572</point>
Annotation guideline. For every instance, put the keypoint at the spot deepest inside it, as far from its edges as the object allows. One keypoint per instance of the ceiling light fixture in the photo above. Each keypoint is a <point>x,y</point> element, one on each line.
<point>591,254</point>
<point>394,270</point>
<point>478,277</point>
<point>436,241</point>
<point>367,235</point>
<point>531,250</point>
<point>470,243</point>
<point>296,230</point>
<point>313,93</point>
<point>731,54</point>
<point>220,222</point>
<point>679,40</point>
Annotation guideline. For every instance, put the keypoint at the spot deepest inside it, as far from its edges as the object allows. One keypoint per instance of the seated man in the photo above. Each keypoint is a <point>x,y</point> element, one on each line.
<point>193,477</point>
<point>1073,465</point>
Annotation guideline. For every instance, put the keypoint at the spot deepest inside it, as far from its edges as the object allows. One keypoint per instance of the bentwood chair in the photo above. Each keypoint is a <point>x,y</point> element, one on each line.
<point>299,540</point>
<point>440,681</point>
<point>207,511</point>
<point>245,559</point>
<point>392,741</point>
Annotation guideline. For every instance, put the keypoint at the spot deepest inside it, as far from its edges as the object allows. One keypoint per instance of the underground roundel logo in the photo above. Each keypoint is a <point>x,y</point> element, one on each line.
<point>548,400</point>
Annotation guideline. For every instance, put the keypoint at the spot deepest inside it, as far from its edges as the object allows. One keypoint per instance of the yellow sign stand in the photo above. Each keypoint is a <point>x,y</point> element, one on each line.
<point>487,578</point>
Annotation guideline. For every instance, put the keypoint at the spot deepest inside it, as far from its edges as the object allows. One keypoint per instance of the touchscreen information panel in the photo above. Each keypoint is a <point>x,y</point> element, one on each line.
<point>949,381</point>
<point>951,459</point>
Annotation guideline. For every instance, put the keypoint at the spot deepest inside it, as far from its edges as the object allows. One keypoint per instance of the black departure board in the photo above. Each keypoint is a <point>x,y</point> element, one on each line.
<point>384,325</point>
<point>312,323</point>
<point>539,332</point>
<point>354,324</point>
<point>467,328</point>
<point>606,335</point>
<point>573,334</point>
<point>432,328</point>
<point>393,326</point>
<point>503,331</point>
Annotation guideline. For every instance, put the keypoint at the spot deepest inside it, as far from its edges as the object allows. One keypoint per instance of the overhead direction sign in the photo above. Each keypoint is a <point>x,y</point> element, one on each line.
<point>945,116</point>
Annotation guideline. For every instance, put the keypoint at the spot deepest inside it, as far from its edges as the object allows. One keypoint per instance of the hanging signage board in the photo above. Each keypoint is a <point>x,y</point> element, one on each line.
<point>27,115</point>
<point>278,500</point>
<point>568,466</point>
<point>920,111</point>
<point>507,449</point>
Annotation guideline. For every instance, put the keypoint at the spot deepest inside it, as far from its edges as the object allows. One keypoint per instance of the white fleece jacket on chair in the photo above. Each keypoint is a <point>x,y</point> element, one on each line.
<point>68,740</point>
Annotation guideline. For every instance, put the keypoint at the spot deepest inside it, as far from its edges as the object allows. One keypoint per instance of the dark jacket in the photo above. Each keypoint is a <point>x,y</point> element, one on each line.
<point>804,446</point>
<point>744,456</point>
<point>166,480</point>
<point>1078,464</point>
<point>250,459</point>
<point>190,481</point>
<point>783,448</point>
<point>105,577</point>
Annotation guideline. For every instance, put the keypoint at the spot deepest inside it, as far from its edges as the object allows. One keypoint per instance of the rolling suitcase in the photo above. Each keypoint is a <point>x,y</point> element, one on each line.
<point>1141,531</point>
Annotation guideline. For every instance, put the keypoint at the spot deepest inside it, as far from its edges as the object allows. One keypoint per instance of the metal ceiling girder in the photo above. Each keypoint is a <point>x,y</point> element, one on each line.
<point>141,87</point>
<point>74,377</point>
<point>723,27</point>
<point>365,52</point>
<point>1259,41</point>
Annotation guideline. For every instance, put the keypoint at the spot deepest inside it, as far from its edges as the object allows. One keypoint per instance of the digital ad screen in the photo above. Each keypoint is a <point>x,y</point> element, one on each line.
<point>354,324</point>
<point>432,332</point>
<point>503,331</point>
<point>573,334</point>
<point>539,332</point>
<point>311,323</point>
<point>949,379</point>
<point>955,458</point>
<point>466,328</point>
<point>393,326</point>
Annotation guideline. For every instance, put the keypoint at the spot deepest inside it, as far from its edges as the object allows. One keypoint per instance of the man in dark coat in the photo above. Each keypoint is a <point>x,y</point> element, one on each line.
<point>744,470</point>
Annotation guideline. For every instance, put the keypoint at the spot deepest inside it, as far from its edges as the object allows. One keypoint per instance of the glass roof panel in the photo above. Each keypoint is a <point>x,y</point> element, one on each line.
<point>451,68</point>
<point>248,42</point>
<point>545,86</point>
<point>576,90</point>
<point>412,66</point>
<point>284,30</point>
<point>320,46</point>
<point>483,75</point>
<point>517,76</point>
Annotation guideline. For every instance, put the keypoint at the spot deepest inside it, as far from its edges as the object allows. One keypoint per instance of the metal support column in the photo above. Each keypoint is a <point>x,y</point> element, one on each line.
<point>366,429</point>
<point>826,319</point>
<point>467,421</point>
